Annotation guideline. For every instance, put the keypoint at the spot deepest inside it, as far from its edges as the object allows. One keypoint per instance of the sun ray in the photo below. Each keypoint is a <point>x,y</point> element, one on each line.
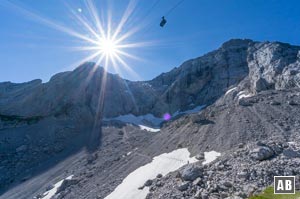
<point>138,44</point>
<point>118,71</point>
<point>96,65</point>
<point>104,40</point>
<point>115,66</point>
<point>128,68</point>
<point>128,34</point>
<point>84,48</point>
<point>49,23</point>
<point>84,22</point>
<point>128,55</point>
<point>92,11</point>
<point>128,12</point>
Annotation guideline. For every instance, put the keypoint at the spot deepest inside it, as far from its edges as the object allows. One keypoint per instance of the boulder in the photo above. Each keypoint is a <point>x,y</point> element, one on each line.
<point>67,183</point>
<point>275,103</point>
<point>198,181</point>
<point>148,183</point>
<point>141,187</point>
<point>243,175</point>
<point>241,145</point>
<point>227,184</point>
<point>183,186</point>
<point>191,172</point>
<point>292,103</point>
<point>262,153</point>
<point>159,184</point>
<point>159,175</point>
<point>200,156</point>
<point>261,85</point>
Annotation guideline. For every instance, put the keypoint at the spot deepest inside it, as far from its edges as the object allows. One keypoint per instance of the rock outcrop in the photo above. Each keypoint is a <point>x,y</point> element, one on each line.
<point>234,175</point>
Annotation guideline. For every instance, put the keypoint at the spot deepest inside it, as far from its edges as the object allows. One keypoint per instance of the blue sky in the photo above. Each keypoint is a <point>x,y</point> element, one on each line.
<point>32,49</point>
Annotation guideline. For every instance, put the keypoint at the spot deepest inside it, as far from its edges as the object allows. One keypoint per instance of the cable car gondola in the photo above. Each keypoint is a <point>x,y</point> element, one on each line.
<point>163,22</point>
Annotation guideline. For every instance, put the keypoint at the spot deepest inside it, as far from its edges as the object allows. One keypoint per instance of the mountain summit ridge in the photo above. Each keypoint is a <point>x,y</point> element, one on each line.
<point>199,81</point>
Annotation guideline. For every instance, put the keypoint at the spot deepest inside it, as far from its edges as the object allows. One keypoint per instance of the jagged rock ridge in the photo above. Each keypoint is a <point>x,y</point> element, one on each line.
<point>256,66</point>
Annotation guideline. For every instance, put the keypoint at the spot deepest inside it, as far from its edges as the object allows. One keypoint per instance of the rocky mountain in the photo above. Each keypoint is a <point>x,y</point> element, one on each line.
<point>250,91</point>
<point>198,81</point>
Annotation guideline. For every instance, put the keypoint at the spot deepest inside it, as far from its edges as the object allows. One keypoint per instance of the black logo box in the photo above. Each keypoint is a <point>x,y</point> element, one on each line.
<point>284,184</point>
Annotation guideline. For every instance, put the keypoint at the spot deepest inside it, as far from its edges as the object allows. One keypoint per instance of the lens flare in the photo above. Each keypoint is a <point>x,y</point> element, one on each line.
<point>167,116</point>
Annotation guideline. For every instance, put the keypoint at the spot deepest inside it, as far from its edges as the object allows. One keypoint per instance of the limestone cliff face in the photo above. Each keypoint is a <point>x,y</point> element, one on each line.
<point>273,65</point>
<point>203,80</point>
<point>254,66</point>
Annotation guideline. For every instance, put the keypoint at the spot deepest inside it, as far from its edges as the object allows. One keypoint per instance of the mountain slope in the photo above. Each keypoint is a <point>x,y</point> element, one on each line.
<point>250,90</point>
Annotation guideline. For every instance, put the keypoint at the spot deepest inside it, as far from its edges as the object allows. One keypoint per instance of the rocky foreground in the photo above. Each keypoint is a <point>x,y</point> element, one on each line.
<point>240,173</point>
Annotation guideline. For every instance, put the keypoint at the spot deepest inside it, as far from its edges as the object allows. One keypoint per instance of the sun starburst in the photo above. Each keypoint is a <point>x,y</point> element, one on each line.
<point>106,44</point>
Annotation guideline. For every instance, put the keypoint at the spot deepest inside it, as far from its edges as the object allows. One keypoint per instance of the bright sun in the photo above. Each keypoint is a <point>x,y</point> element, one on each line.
<point>107,46</point>
<point>106,41</point>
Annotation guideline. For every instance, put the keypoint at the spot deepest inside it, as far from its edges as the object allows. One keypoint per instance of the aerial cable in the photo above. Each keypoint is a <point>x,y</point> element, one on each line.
<point>152,8</point>
<point>163,20</point>
<point>174,7</point>
<point>149,11</point>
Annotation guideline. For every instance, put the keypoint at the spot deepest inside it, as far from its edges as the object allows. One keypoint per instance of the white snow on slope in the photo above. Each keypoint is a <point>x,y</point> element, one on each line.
<point>163,164</point>
<point>291,143</point>
<point>143,120</point>
<point>210,156</point>
<point>230,90</point>
<point>244,94</point>
<point>49,194</point>
<point>146,128</point>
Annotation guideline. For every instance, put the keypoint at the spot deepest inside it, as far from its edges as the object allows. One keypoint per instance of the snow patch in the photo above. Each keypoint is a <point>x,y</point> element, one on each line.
<point>163,164</point>
<point>210,156</point>
<point>146,128</point>
<point>291,143</point>
<point>230,90</point>
<point>147,85</point>
<point>244,94</point>
<point>50,193</point>
<point>145,121</point>
<point>148,121</point>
